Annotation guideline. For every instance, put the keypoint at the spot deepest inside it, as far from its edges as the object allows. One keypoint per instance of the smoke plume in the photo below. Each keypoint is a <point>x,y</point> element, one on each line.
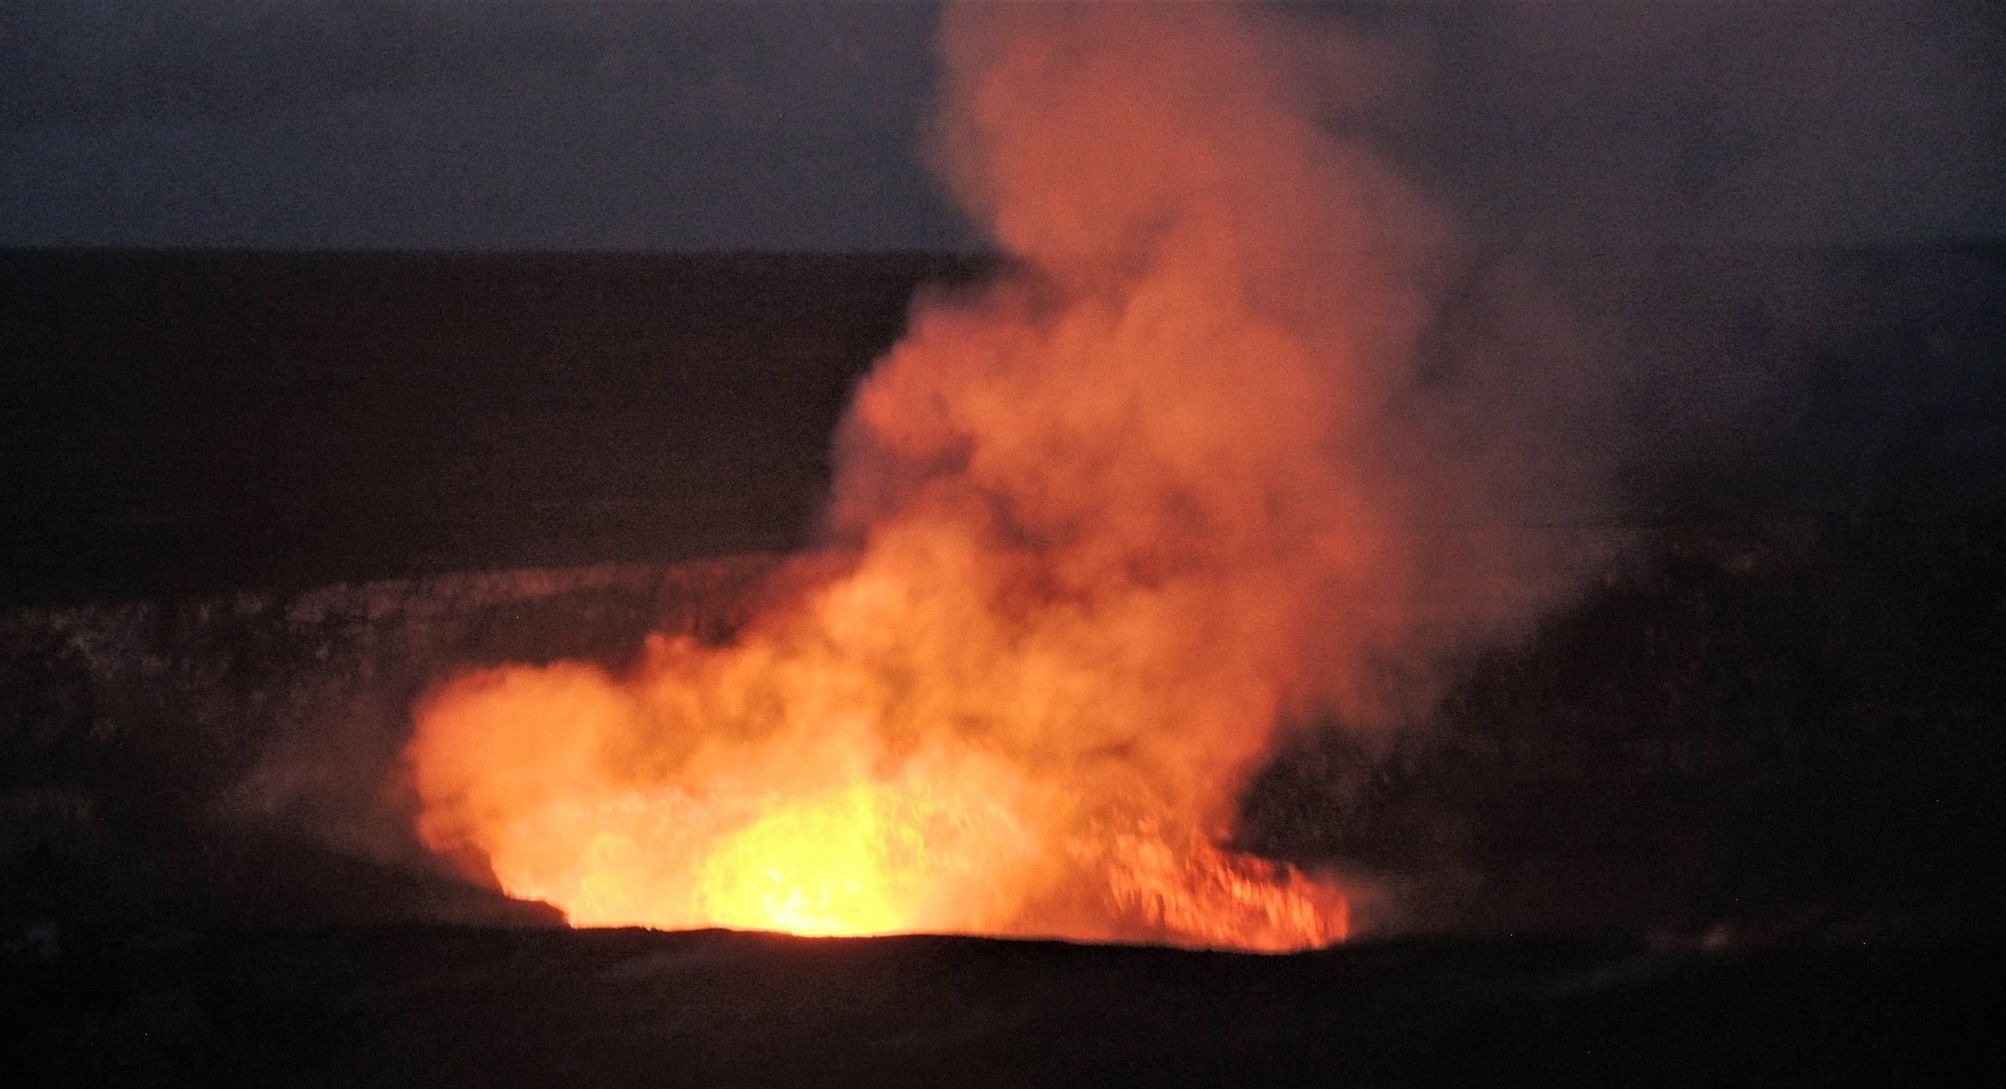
<point>1181,475</point>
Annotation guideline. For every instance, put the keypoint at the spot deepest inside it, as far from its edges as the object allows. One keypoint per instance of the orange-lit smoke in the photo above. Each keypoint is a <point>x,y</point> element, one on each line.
<point>1098,527</point>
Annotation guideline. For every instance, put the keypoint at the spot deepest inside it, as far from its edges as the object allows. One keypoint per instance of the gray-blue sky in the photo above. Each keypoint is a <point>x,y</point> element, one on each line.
<point>646,124</point>
<point>485,125</point>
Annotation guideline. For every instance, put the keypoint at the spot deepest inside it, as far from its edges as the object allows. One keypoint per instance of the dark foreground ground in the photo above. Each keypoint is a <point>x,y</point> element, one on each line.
<point>451,1007</point>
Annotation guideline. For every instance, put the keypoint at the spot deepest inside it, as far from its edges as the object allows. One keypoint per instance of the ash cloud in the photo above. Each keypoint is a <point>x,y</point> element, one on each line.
<point>1179,473</point>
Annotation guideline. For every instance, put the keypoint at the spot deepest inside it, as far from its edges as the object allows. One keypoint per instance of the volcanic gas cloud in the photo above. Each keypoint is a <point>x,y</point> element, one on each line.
<point>1099,528</point>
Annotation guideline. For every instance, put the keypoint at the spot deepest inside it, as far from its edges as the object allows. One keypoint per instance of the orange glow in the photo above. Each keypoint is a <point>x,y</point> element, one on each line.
<point>1097,528</point>
<point>781,825</point>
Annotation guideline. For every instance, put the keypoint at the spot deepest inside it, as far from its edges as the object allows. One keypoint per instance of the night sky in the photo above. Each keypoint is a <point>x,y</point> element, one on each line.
<point>586,125</point>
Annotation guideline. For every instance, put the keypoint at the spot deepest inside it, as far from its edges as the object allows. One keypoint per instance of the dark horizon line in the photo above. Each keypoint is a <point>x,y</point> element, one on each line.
<point>1975,242</point>
<point>11,250</point>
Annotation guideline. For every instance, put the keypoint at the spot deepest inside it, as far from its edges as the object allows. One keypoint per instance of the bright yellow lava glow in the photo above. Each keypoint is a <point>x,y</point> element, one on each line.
<point>830,865</point>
